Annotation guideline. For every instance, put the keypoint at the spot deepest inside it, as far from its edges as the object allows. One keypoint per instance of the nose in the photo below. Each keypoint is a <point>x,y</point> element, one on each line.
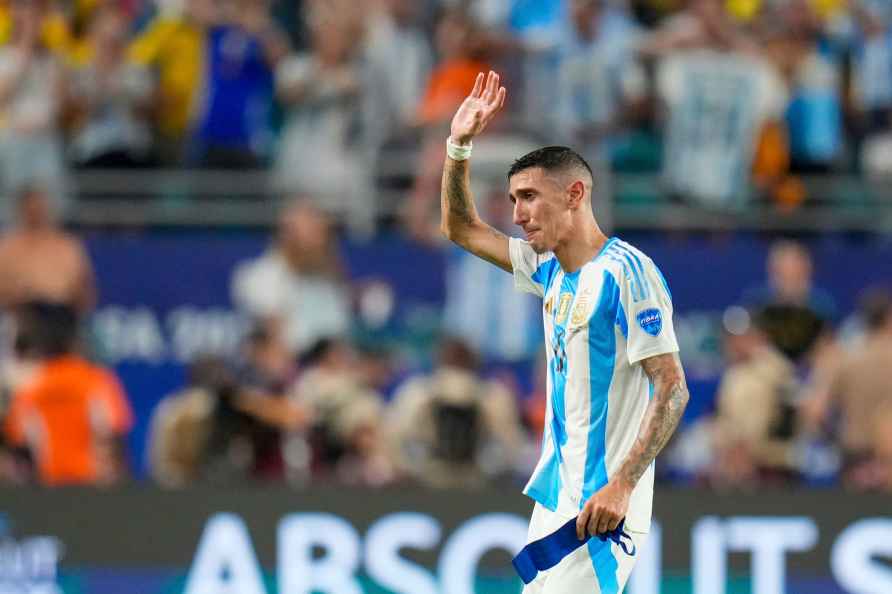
<point>520,215</point>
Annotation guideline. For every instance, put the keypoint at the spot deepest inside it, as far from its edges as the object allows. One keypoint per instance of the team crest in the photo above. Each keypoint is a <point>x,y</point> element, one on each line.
<point>548,303</point>
<point>563,308</point>
<point>580,311</point>
<point>651,321</point>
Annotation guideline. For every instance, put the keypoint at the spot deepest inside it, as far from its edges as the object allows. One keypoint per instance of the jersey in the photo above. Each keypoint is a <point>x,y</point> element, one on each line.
<point>600,322</point>
<point>717,104</point>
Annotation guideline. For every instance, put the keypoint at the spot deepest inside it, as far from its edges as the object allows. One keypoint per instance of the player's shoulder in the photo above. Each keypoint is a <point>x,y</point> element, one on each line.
<point>619,256</point>
<point>631,266</point>
<point>622,245</point>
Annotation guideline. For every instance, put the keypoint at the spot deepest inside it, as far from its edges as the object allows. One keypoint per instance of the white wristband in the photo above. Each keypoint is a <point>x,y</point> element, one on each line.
<point>458,152</point>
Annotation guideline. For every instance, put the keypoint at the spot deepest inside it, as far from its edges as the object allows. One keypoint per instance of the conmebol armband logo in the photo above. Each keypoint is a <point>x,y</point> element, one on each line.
<point>651,321</point>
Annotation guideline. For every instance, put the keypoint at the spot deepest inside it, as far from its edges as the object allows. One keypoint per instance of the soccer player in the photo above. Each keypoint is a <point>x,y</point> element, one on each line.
<point>616,389</point>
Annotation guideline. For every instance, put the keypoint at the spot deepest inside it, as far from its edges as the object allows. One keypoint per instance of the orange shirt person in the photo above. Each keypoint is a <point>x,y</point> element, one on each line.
<point>70,414</point>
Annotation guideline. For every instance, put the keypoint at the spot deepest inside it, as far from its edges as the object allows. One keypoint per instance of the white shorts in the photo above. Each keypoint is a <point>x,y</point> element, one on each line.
<point>600,567</point>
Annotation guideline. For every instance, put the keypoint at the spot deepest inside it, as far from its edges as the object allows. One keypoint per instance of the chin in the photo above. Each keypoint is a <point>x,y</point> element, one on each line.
<point>538,247</point>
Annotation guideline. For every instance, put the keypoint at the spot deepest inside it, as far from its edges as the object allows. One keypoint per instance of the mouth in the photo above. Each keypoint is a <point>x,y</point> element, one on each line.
<point>530,234</point>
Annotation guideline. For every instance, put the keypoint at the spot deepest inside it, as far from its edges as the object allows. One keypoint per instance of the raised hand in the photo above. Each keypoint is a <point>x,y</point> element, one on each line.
<point>478,108</point>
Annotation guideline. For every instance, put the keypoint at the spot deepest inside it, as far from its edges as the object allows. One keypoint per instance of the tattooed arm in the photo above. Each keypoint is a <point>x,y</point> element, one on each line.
<point>604,510</point>
<point>662,416</point>
<point>459,219</point>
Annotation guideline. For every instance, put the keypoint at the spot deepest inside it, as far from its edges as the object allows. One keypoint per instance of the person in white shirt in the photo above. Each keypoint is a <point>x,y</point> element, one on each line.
<point>297,283</point>
<point>615,386</point>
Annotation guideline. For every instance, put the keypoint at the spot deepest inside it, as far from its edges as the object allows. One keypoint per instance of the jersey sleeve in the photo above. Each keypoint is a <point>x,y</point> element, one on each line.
<point>528,267</point>
<point>647,304</point>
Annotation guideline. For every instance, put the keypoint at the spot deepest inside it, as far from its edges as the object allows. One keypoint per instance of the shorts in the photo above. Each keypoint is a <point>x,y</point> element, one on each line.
<point>599,567</point>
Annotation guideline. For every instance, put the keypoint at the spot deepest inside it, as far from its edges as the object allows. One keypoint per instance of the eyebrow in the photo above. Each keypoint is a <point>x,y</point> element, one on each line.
<point>523,190</point>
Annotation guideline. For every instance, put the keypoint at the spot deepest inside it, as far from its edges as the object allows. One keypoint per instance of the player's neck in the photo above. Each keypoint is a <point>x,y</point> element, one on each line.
<point>581,247</point>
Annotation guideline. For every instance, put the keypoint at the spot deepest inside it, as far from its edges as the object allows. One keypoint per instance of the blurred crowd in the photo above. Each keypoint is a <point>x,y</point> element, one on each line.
<point>339,99</point>
<point>804,397</point>
<point>731,101</point>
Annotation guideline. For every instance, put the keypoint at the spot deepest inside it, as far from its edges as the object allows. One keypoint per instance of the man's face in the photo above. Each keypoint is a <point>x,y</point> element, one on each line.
<point>541,207</point>
<point>790,272</point>
<point>303,228</point>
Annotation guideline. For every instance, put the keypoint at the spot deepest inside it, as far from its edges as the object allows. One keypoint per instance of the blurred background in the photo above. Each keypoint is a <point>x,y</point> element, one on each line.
<point>223,287</point>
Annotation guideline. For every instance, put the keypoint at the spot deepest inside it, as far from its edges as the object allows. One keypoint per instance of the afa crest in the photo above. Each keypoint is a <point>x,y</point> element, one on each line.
<point>563,308</point>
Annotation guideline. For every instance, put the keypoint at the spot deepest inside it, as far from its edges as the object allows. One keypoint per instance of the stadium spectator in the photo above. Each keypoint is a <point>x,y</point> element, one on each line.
<point>233,126</point>
<point>298,282</point>
<point>53,28</point>
<point>857,385</point>
<point>754,428</point>
<point>321,147</point>
<point>809,63</point>
<point>345,414</point>
<point>797,315</point>
<point>111,99</point>
<point>397,65</point>
<point>40,261</point>
<point>452,427</point>
<point>718,93</point>
<point>266,370</point>
<point>173,46</point>
<point>540,27</point>
<point>600,89</point>
<point>460,53</point>
<point>217,430</point>
<point>871,86</point>
<point>871,64</point>
<point>31,94</point>
<point>71,416</point>
<point>367,460</point>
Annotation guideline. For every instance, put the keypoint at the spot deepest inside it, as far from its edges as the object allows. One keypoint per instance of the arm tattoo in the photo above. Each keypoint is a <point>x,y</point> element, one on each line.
<point>662,416</point>
<point>456,202</point>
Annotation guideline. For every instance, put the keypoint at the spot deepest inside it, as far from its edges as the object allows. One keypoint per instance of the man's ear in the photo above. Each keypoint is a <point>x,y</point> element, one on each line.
<point>575,194</point>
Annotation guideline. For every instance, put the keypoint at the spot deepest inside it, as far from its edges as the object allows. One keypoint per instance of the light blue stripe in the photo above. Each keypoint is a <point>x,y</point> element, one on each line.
<point>607,246</point>
<point>605,565</point>
<point>615,250</point>
<point>559,375</point>
<point>545,486</point>
<point>625,246</point>
<point>621,320</point>
<point>544,274</point>
<point>602,359</point>
<point>663,280</point>
<point>628,269</point>
<point>638,269</point>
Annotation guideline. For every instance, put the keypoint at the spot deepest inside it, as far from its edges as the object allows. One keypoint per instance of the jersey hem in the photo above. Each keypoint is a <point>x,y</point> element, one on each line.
<point>540,498</point>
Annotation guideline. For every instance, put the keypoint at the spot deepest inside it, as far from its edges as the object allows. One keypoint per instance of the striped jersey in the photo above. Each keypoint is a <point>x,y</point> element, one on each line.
<point>600,322</point>
<point>717,104</point>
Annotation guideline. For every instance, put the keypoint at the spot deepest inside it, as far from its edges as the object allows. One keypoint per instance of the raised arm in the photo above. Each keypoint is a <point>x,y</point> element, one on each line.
<point>459,221</point>
<point>604,510</point>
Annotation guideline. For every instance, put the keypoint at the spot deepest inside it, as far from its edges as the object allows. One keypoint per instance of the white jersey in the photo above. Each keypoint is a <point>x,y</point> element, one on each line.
<point>600,322</point>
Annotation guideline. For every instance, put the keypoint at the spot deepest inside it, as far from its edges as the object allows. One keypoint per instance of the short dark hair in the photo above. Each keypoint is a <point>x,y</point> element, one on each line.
<point>551,158</point>
<point>45,330</point>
